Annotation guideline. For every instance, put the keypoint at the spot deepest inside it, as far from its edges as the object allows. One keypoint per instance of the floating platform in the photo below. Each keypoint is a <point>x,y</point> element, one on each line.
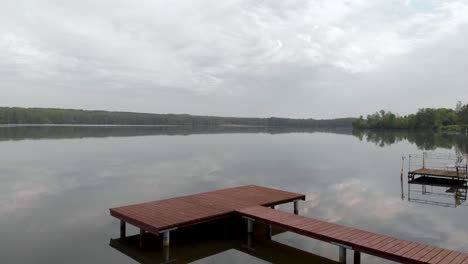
<point>438,165</point>
<point>252,202</point>
<point>438,173</point>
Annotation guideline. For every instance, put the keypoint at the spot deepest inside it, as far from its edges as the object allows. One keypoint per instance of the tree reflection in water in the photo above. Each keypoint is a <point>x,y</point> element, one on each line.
<point>424,140</point>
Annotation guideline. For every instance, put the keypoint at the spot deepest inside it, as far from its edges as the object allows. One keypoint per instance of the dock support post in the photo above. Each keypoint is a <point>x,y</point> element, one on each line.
<point>166,239</point>
<point>296,207</point>
<point>424,160</point>
<point>249,225</point>
<point>269,228</point>
<point>250,240</point>
<point>342,258</point>
<point>142,232</point>
<point>409,162</point>
<point>357,257</point>
<point>269,231</point>
<point>122,229</point>
<point>166,254</point>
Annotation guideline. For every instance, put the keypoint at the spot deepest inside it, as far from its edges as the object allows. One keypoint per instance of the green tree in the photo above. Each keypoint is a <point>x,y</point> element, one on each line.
<point>360,123</point>
<point>463,115</point>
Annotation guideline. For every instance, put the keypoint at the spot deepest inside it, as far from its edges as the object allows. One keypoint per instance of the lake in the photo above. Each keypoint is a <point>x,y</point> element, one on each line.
<point>59,182</point>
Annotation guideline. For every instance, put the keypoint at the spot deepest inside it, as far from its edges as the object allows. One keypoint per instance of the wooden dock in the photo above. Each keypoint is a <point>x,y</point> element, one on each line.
<point>252,202</point>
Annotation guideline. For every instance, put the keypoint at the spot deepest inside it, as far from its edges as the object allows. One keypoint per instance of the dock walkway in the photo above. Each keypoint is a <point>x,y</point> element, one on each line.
<point>358,240</point>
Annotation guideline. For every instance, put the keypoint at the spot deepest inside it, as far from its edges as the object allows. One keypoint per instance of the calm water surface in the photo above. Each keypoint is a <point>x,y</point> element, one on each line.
<point>57,184</point>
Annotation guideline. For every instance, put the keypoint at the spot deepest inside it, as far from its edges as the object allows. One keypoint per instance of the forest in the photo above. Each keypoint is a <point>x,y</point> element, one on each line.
<point>425,118</point>
<point>19,115</point>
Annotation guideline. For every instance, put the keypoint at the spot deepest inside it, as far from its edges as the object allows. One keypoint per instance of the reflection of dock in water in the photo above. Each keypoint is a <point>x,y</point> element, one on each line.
<point>213,241</point>
<point>437,191</point>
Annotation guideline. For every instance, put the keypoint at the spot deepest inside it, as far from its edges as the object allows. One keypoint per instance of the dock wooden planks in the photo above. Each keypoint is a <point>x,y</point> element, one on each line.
<point>359,240</point>
<point>158,216</point>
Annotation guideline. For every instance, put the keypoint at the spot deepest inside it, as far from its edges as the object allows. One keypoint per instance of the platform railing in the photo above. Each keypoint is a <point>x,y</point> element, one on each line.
<point>438,161</point>
<point>462,168</point>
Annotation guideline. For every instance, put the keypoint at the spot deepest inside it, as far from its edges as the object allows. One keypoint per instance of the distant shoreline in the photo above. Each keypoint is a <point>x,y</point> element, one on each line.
<point>18,116</point>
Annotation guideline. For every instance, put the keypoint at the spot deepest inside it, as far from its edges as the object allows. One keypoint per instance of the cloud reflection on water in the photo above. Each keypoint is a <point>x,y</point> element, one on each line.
<point>61,189</point>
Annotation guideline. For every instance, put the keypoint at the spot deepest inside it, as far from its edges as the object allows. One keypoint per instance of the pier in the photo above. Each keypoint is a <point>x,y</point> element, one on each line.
<point>256,205</point>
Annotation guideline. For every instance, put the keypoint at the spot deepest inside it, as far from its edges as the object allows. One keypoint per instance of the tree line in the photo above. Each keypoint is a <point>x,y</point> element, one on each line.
<point>425,118</point>
<point>19,115</point>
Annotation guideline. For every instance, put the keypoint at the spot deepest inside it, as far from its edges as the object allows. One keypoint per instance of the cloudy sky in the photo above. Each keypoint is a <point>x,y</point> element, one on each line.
<point>291,58</point>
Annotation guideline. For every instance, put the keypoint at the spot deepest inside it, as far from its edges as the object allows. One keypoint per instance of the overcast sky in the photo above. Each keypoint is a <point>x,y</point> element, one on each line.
<point>319,59</point>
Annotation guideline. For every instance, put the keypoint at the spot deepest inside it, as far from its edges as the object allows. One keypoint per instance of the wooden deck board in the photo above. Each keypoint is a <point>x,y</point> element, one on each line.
<point>422,253</point>
<point>192,209</point>
<point>383,243</point>
<point>431,255</point>
<point>449,258</point>
<point>415,250</point>
<point>460,259</point>
<point>436,259</point>
<point>407,248</point>
<point>359,240</point>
